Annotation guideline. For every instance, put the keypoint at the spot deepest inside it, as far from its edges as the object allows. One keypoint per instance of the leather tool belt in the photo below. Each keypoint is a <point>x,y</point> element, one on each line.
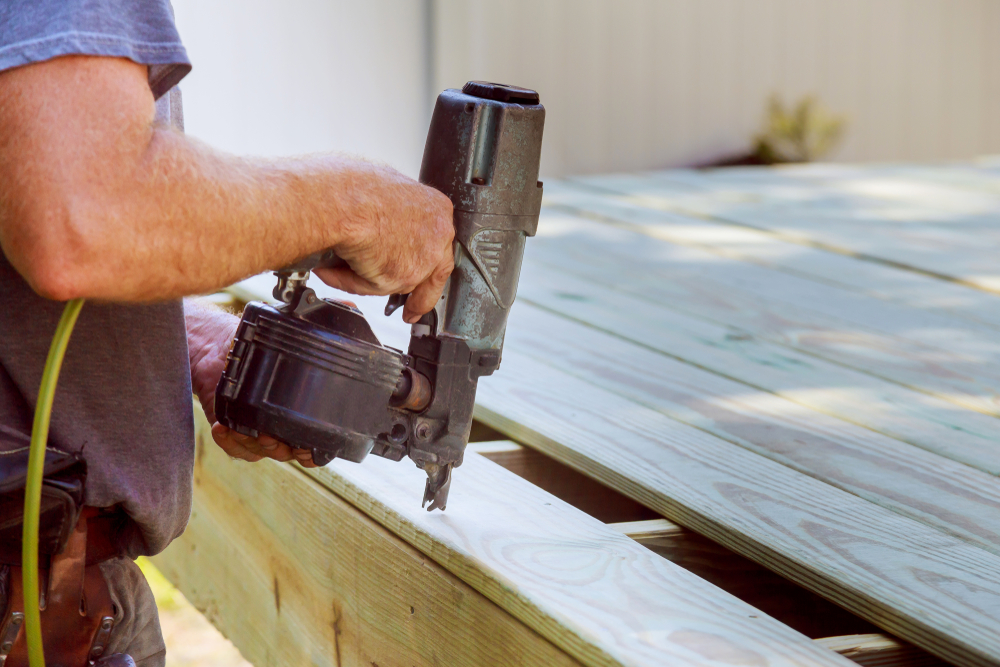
<point>77,610</point>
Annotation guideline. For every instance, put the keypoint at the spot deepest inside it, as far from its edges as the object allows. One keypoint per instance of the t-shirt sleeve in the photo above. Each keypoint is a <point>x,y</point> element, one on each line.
<point>141,30</point>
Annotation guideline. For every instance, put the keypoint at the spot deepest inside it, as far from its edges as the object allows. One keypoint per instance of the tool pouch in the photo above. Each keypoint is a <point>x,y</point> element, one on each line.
<point>77,610</point>
<point>62,499</point>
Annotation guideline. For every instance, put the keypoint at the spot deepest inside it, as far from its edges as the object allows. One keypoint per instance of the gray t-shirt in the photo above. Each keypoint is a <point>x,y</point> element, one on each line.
<point>124,394</point>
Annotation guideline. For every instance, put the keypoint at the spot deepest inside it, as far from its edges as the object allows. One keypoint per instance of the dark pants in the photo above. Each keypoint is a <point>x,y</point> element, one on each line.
<point>137,623</point>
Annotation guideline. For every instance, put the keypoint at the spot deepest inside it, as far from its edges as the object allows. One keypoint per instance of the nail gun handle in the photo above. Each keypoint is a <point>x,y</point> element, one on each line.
<point>328,259</point>
<point>324,259</point>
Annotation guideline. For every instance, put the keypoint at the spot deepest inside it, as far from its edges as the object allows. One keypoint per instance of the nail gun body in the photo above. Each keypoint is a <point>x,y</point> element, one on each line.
<point>311,373</point>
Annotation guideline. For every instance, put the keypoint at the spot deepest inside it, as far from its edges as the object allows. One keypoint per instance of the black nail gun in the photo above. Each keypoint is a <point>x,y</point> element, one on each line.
<point>311,372</point>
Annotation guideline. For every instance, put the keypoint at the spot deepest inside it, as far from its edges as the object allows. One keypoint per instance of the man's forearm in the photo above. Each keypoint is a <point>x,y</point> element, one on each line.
<point>106,205</point>
<point>205,220</point>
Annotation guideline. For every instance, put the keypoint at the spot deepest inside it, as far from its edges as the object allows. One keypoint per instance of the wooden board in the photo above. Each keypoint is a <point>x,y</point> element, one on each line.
<point>929,588</point>
<point>293,574</point>
<point>766,249</point>
<point>914,235</point>
<point>934,490</point>
<point>878,650</point>
<point>771,593</point>
<point>956,360</point>
<point>914,417</point>
<point>646,412</point>
<point>649,529</point>
<point>599,501</point>
<point>584,586</point>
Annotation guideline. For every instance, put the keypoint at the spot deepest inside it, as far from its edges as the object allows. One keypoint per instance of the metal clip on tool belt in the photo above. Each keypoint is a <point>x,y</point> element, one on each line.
<point>77,611</point>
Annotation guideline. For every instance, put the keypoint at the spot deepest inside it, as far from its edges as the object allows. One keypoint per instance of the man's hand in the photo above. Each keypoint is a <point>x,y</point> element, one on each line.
<point>403,247</point>
<point>210,333</point>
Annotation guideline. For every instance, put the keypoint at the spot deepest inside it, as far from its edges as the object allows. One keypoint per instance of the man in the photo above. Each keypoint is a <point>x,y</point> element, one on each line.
<point>100,201</point>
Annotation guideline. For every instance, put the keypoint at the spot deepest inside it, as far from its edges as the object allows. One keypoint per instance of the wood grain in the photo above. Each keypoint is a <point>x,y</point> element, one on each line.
<point>926,421</point>
<point>915,580</point>
<point>599,501</point>
<point>294,575</point>
<point>856,218</point>
<point>879,650</point>
<point>648,529</point>
<point>590,590</point>
<point>956,360</point>
<point>765,249</point>
<point>791,604</point>
<point>934,490</point>
<point>932,589</point>
<point>774,595</point>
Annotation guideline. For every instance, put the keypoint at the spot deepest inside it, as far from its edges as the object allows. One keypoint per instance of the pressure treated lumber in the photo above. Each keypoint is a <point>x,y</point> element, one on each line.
<point>765,249</point>
<point>879,650</point>
<point>917,583</point>
<point>590,590</point>
<point>774,595</point>
<point>956,360</point>
<point>911,416</point>
<point>907,234</point>
<point>294,575</point>
<point>932,489</point>
<point>599,501</point>
<point>793,274</point>
<point>648,529</point>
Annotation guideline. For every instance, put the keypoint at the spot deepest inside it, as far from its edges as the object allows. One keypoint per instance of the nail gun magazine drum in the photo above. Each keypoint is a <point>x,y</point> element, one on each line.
<point>318,378</point>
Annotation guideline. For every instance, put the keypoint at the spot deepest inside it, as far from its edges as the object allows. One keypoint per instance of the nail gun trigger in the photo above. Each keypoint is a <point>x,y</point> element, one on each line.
<point>395,302</point>
<point>321,457</point>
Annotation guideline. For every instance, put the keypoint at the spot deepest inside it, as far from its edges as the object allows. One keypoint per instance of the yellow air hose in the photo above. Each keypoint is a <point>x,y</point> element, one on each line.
<point>33,485</point>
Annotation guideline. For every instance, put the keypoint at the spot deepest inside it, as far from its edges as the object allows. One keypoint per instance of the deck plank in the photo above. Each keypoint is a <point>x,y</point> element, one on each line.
<point>954,359</point>
<point>749,387</point>
<point>592,591</point>
<point>765,249</point>
<point>919,419</point>
<point>294,575</point>
<point>863,212</point>
<point>932,589</point>
<point>934,490</point>
<point>508,575</point>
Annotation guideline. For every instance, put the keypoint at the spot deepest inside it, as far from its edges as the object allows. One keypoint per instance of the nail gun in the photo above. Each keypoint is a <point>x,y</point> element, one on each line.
<point>310,372</point>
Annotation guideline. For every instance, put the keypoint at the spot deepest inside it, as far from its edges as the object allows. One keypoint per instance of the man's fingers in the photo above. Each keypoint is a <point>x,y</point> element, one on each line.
<point>224,439</point>
<point>246,448</point>
<point>267,443</point>
<point>304,457</point>
<point>427,293</point>
<point>281,452</point>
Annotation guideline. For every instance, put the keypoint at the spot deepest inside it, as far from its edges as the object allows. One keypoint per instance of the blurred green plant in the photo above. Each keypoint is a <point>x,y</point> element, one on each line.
<point>801,133</point>
<point>167,597</point>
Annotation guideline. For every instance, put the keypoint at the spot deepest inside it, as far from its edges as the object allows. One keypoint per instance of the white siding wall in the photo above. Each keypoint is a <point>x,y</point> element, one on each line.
<point>302,76</point>
<point>629,84</point>
<point>648,83</point>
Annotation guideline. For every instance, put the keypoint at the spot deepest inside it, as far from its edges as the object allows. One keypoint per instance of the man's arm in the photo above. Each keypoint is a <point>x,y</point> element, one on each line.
<point>97,201</point>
